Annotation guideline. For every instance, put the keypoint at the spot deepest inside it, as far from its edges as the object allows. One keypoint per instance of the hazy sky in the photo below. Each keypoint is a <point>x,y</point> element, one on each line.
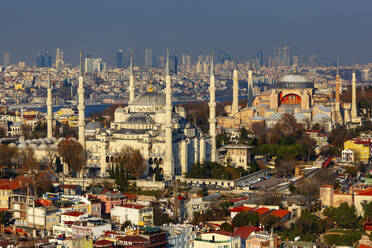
<point>331,28</point>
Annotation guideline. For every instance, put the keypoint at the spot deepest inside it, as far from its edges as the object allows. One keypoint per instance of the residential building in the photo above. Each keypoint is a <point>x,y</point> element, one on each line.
<point>217,239</point>
<point>180,236</point>
<point>361,149</point>
<point>136,214</point>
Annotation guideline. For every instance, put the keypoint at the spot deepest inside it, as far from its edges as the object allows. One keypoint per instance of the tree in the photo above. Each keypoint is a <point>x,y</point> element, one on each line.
<point>258,130</point>
<point>243,134</point>
<point>286,167</point>
<point>367,210</point>
<point>133,161</point>
<point>345,216</point>
<point>2,132</point>
<point>72,154</point>
<point>245,218</point>
<point>5,217</point>
<point>226,227</point>
<point>269,221</point>
<point>8,154</point>
<point>161,218</point>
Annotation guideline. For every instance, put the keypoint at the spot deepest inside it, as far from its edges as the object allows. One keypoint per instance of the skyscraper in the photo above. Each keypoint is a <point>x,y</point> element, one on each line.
<point>6,60</point>
<point>89,64</point>
<point>119,58</point>
<point>148,57</point>
<point>59,58</point>
<point>44,59</point>
<point>314,60</point>
<point>173,60</point>
<point>260,58</point>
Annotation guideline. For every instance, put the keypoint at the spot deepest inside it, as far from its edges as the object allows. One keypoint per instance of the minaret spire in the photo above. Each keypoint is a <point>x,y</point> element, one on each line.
<point>81,106</point>
<point>168,163</point>
<point>131,79</point>
<point>235,103</point>
<point>212,111</point>
<point>49,110</point>
<point>250,88</point>
<point>353,95</point>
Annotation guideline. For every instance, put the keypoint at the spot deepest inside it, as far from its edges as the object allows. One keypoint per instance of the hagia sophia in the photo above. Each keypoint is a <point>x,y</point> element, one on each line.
<point>293,94</point>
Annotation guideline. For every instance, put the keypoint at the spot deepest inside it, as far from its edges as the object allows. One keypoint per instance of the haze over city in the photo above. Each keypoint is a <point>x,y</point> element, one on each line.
<point>333,29</point>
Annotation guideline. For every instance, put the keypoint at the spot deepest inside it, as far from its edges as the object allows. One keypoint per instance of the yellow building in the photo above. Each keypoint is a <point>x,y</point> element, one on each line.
<point>238,155</point>
<point>8,187</point>
<point>361,149</point>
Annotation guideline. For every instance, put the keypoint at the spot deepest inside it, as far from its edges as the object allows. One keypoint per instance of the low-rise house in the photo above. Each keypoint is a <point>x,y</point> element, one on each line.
<point>9,187</point>
<point>85,227</point>
<point>217,239</point>
<point>180,236</point>
<point>149,237</point>
<point>43,217</point>
<point>111,199</point>
<point>245,232</point>
<point>72,216</point>
<point>236,210</point>
<point>136,214</point>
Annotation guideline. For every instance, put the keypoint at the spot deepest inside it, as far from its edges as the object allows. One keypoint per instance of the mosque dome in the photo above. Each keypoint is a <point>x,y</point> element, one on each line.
<point>150,98</point>
<point>294,81</point>
<point>139,118</point>
<point>93,126</point>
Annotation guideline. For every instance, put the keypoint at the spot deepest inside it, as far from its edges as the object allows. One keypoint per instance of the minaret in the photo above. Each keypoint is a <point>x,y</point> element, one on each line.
<point>212,111</point>
<point>338,118</point>
<point>131,80</point>
<point>250,88</point>
<point>168,163</point>
<point>49,110</point>
<point>353,95</point>
<point>81,107</point>
<point>235,103</point>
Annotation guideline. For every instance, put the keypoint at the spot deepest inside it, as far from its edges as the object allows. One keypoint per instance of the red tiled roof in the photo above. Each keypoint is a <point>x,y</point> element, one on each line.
<point>364,246</point>
<point>366,192</point>
<point>135,206</point>
<point>239,199</point>
<point>327,186</point>
<point>241,209</point>
<point>261,211</point>
<point>6,184</point>
<point>74,213</point>
<point>134,239</point>
<point>130,196</point>
<point>103,242</point>
<point>245,231</point>
<point>280,213</point>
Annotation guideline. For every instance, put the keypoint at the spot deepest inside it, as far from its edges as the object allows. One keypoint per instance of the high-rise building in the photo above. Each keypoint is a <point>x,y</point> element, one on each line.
<point>301,60</point>
<point>93,65</point>
<point>6,60</point>
<point>44,59</point>
<point>89,63</point>
<point>260,58</point>
<point>281,56</point>
<point>295,60</point>
<point>119,58</point>
<point>59,58</point>
<point>148,57</point>
<point>173,64</point>
<point>314,60</point>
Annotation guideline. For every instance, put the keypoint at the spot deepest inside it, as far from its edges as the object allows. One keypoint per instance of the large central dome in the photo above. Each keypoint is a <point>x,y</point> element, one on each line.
<point>153,98</point>
<point>294,81</point>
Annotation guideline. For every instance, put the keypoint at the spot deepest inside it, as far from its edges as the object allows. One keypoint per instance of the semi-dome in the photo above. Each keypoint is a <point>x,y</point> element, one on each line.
<point>150,98</point>
<point>93,126</point>
<point>139,119</point>
<point>294,81</point>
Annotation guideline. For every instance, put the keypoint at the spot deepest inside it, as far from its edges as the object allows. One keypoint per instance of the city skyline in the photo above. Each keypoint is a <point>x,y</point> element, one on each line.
<point>244,28</point>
